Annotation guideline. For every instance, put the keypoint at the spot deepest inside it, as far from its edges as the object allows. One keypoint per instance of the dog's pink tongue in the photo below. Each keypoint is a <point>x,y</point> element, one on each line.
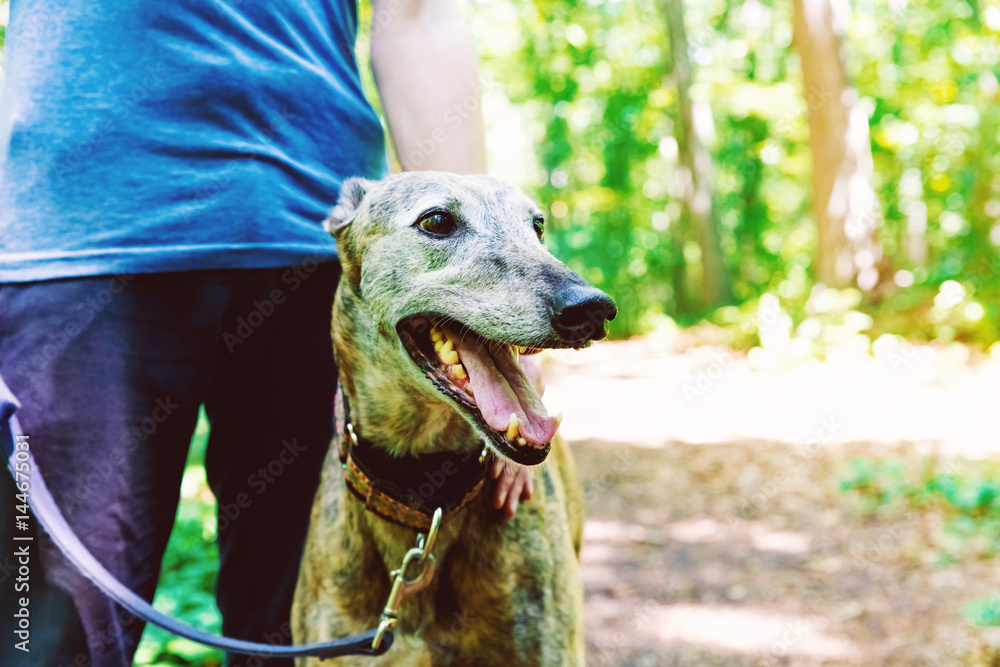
<point>502,389</point>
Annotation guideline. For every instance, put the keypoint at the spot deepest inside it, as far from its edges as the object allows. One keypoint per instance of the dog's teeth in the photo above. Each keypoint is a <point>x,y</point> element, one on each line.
<point>522,442</point>
<point>447,353</point>
<point>521,350</point>
<point>458,370</point>
<point>559,420</point>
<point>436,335</point>
<point>438,344</point>
<point>512,427</point>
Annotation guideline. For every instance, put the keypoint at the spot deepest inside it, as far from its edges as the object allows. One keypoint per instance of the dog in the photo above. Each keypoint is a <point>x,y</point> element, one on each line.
<point>446,280</point>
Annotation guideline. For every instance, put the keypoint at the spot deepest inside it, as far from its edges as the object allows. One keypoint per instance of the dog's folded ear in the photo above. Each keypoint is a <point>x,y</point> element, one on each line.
<point>352,193</point>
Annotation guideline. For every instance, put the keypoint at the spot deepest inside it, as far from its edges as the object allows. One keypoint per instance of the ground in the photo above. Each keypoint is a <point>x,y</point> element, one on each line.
<point>708,544</point>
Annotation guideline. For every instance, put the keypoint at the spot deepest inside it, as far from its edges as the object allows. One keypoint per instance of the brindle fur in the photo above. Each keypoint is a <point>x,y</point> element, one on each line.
<point>505,592</point>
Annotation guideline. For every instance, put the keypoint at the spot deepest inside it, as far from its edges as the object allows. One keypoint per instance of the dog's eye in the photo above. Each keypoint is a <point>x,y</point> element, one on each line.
<point>539,225</point>
<point>437,223</point>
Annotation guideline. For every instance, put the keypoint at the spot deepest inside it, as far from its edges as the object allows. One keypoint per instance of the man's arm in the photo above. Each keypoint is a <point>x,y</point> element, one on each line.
<point>427,74</point>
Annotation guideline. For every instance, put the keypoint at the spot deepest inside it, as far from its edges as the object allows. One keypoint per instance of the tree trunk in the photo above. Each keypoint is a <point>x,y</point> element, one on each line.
<point>695,163</point>
<point>844,204</point>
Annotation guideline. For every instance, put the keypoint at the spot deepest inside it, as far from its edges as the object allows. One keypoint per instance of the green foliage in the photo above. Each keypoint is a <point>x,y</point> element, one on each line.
<point>966,494</point>
<point>876,483</point>
<point>593,83</point>
<point>590,82</point>
<point>930,79</point>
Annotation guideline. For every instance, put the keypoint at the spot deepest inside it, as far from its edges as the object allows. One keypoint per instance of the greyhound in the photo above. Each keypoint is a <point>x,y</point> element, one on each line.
<point>445,282</point>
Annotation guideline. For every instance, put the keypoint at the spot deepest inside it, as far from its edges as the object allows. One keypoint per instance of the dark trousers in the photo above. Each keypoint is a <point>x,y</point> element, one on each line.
<point>110,372</point>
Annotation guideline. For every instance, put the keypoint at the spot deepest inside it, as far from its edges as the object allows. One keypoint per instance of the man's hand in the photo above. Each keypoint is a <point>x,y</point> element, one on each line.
<point>514,483</point>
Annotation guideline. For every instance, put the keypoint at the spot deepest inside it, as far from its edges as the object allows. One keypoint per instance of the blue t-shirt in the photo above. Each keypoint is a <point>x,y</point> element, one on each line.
<point>142,137</point>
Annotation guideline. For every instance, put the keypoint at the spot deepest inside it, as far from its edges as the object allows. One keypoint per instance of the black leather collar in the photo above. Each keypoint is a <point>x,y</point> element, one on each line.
<point>425,482</point>
<point>407,489</point>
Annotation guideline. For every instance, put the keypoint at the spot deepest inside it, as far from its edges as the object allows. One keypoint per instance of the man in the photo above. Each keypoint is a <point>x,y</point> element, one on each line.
<point>164,170</point>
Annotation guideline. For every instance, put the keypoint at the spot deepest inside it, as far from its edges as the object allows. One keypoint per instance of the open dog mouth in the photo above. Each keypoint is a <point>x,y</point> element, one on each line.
<point>487,382</point>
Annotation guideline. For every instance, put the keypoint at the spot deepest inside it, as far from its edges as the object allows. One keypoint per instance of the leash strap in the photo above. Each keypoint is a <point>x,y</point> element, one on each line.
<point>51,519</point>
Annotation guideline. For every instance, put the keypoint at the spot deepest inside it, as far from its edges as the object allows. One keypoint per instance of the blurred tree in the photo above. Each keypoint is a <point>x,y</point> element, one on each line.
<point>694,174</point>
<point>844,206</point>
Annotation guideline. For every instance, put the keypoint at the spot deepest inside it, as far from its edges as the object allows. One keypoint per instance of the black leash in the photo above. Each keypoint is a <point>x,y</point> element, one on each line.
<point>29,481</point>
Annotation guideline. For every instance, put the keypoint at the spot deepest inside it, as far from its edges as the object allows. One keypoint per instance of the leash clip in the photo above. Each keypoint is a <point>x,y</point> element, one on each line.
<point>401,586</point>
<point>345,448</point>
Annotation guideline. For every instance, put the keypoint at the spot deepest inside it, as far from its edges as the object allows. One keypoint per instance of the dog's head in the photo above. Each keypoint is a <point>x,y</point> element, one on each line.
<point>453,273</point>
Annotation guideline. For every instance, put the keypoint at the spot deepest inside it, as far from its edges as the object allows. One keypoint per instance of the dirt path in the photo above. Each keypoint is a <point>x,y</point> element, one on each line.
<point>744,553</point>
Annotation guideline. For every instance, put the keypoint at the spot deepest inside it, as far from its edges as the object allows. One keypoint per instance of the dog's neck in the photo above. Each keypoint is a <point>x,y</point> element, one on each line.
<point>389,405</point>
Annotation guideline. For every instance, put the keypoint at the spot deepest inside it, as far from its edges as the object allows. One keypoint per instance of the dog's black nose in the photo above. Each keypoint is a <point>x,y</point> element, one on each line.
<point>580,312</point>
